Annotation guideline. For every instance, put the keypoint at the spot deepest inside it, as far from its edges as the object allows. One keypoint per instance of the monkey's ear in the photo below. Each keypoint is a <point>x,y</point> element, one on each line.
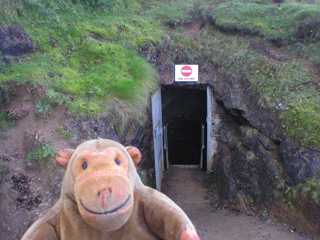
<point>135,154</point>
<point>63,157</point>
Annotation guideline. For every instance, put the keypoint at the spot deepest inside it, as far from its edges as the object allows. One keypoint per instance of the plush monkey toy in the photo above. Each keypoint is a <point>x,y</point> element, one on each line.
<point>103,198</point>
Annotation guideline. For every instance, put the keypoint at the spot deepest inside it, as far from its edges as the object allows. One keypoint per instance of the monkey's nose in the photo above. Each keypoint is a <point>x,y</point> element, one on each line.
<point>107,192</point>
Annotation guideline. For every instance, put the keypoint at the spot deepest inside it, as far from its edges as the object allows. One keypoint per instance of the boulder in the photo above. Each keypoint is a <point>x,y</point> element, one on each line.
<point>299,163</point>
<point>14,41</point>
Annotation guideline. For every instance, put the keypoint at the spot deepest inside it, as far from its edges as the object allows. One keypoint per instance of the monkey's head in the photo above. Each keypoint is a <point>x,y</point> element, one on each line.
<point>100,178</point>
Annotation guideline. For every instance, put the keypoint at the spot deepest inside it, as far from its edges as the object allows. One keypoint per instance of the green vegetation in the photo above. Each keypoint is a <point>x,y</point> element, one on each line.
<point>4,168</point>
<point>264,214</point>
<point>6,121</point>
<point>88,53</point>
<point>42,154</point>
<point>85,52</point>
<point>65,133</point>
<point>44,105</point>
<point>285,86</point>
<point>304,196</point>
<point>279,24</point>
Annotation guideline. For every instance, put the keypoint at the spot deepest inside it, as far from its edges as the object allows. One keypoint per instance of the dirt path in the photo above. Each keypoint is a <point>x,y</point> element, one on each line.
<point>185,187</point>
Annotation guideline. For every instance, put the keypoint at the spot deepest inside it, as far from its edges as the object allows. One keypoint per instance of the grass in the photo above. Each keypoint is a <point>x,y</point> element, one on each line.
<point>88,58</point>
<point>174,13</point>
<point>280,24</point>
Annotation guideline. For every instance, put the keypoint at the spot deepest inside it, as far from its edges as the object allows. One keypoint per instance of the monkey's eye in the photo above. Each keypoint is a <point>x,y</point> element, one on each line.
<point>84,165</point>
<point>117,161</point>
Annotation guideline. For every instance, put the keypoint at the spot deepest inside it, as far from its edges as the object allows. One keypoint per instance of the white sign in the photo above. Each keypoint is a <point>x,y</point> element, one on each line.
<point>186,73</point>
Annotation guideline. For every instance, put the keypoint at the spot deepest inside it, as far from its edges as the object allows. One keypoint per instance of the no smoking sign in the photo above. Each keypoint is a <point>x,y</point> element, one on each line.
<point>186,73</point>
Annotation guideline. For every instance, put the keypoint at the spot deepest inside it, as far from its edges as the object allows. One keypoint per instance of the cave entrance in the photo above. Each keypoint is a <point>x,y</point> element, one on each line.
<point>181,126</point>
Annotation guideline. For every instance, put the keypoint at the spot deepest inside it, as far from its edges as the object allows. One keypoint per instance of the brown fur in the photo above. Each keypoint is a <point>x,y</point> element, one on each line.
<point>103,198</point>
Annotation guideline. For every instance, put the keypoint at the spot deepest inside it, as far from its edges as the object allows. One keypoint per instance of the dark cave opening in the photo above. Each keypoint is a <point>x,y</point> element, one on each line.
<point>184,113</point>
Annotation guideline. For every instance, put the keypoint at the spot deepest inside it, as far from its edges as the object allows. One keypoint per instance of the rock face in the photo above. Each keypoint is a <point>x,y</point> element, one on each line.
<point>257,164</point>
<point>299,163</point>
<point>91,129</point>
<point>14,41</point>
<point>248,163</point>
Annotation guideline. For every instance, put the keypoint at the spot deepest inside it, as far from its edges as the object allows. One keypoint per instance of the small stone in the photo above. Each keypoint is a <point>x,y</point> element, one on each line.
<point>22,112</point>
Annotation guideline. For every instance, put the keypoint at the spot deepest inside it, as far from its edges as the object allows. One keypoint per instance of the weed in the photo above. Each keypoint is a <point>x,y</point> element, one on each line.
<point>264,213</point>
<point>42,154</point>
<point>6,121</point>
<point>4,136</point>
<point>50,99</point>
<point>289,205</point>
<point>65,133</point>
<point>43,110</point>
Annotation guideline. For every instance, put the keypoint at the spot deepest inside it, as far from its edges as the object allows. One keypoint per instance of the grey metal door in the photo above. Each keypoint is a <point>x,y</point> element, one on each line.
<point>203,146</point>
<point>209,126</point>
<point>158,137</point>
<point>165,145</point>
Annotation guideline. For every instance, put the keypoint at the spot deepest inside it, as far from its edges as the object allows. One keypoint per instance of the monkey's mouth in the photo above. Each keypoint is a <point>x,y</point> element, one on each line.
<point>106,212</point>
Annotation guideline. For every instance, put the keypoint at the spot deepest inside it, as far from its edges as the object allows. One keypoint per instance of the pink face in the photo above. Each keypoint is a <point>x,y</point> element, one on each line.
<point>103,188</point>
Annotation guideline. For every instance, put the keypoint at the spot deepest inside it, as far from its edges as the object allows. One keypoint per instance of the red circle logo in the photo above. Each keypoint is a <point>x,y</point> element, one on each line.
<point>186,71</point>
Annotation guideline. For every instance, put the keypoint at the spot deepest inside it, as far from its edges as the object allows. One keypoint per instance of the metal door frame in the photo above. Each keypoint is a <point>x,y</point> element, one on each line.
<point>158,137</point>
<point>209,129</point>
